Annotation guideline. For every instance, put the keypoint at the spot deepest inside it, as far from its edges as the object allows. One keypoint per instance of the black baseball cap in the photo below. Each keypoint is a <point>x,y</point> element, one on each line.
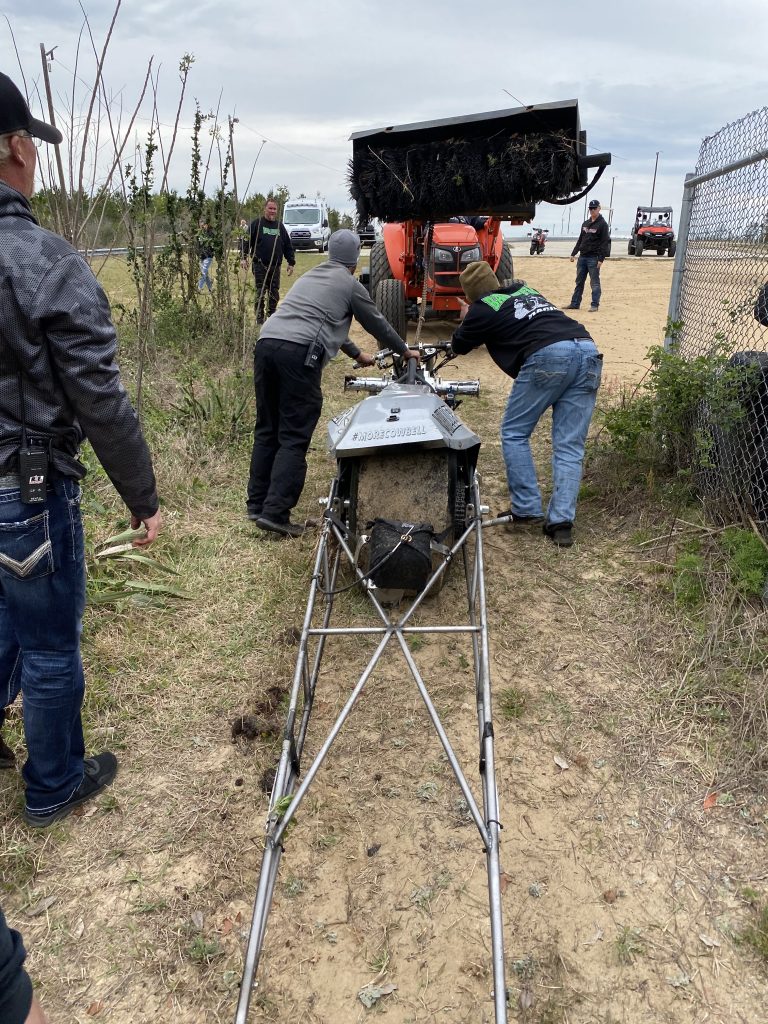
<point>15,115</point>
<point>593,204</point>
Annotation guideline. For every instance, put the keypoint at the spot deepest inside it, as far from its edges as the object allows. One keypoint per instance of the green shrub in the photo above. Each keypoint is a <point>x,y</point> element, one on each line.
<point>662,426</point>
<point>747,560</point>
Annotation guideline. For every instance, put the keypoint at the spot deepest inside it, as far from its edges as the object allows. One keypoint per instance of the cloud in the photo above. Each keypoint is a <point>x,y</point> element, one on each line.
<point>305,75</point>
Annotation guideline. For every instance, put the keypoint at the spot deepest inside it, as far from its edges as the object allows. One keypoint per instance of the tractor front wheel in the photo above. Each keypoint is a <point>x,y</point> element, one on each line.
<point>379,269</point>
<point>639,246</point>
<point>390,301</point>
<point>505,270</point>
<point>630,248</point>
<point>672,248</point>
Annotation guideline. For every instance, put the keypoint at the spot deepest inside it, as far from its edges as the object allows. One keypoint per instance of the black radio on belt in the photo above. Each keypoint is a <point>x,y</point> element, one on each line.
<point>33,470</point>
<point>316,349</point>
<point>33,459</point>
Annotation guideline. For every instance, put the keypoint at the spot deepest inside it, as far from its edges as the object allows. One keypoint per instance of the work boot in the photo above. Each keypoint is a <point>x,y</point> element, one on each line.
<point>7,756</point>
<point>517,522</point>
<point>593,309</point>
<point>560,534</point>
<point>287,529</point>
<point>99,771</point>
<point>570,306</point>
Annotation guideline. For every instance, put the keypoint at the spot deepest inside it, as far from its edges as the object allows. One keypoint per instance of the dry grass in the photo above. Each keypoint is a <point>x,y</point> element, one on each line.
<point>153,884</point>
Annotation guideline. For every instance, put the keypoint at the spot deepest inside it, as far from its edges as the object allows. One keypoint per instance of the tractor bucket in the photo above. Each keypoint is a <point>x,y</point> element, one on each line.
<point>498,163</point>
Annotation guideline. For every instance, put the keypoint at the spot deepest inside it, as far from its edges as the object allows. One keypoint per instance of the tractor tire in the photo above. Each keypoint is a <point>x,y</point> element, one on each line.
<point>630,248</point>
<point>639,246</point>
<point>390,301</point>
<point>533,249</point>
<point>505,270</point>
<point>672,248</point>
<point>660,251</point>
<point>379,269</point>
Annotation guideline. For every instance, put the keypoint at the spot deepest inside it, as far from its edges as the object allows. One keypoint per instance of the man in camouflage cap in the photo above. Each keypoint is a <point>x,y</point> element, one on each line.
<point>59,384</point>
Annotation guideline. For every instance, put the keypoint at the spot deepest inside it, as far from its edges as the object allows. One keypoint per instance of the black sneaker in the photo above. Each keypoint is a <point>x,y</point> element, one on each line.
<point>253,514</point>
<point>569,307</point>
<point>288,529</point>
<point>560,534</point>
<point>7,756</point>
<point>99,772</point>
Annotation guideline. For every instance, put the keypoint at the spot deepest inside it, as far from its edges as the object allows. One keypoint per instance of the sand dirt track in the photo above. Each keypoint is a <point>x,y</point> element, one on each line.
<point>621,894</point>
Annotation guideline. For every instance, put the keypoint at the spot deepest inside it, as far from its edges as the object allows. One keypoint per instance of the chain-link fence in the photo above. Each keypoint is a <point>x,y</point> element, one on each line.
<point>719,309</point>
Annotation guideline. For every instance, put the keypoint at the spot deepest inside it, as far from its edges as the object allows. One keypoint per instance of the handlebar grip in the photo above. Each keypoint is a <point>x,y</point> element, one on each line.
<point>411,371</point>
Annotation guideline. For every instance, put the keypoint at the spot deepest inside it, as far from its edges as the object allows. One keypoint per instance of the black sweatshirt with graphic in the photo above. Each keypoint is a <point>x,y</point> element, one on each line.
<point>595,238</point>
<point>513,323</point>
<point>269,243</point>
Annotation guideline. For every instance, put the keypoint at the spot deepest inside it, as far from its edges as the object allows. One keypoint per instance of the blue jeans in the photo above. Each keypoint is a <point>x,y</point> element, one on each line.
<point>205,277</point>
<point>565,376</point>
<point>587,265</point>
<point>42,596</point>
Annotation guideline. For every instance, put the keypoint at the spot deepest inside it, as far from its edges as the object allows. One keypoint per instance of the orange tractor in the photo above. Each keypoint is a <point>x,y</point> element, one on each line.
<point>443,189</point>
<point>418,263</point>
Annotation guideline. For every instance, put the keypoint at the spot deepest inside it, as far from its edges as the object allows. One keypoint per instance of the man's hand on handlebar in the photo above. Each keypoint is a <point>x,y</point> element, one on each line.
<point>365,360</point>
<point>412,353</point>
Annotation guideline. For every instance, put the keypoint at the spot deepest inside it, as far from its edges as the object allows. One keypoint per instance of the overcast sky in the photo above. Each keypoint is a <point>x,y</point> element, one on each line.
<point>304,74</point>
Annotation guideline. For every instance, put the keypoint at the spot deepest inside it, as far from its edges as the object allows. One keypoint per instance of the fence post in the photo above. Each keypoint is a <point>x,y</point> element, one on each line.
<point>681,252</point>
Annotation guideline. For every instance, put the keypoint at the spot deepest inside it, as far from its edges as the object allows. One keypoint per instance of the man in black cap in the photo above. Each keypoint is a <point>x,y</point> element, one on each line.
<point>295,344</point>
<point>592,245</point>
<point>59,384</point>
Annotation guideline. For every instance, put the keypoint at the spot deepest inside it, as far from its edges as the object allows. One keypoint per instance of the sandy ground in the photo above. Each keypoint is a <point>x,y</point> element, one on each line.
<point>622,894</point>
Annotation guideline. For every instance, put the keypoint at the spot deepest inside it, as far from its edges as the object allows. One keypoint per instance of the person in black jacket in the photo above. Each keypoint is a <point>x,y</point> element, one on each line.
<point>18,1005</point>
<point>761,306</point>
<point>269,244</point>
<point>59,383</point>
<point>592,246</point>
<point>555,364</point>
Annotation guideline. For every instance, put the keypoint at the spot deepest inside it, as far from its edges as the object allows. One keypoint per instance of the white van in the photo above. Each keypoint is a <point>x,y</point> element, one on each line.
<point>306,221</point>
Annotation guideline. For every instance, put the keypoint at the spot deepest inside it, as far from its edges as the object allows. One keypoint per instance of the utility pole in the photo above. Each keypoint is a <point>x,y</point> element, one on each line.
<point>653,187</point>
<point>64,203</point>
<point>610,205</point>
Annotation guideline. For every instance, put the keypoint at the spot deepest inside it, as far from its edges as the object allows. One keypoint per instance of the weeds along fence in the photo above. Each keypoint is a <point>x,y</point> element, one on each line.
<point>716,306</point>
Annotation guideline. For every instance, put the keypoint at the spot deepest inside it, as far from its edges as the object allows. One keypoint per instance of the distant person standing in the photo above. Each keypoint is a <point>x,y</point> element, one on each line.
<point>761,306</point>
<point>205,252</point>
<point>242,237</point>
<point>592,246</point>
<point>268,246</point>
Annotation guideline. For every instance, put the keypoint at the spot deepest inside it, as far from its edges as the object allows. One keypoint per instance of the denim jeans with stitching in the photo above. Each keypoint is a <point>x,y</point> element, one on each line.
<point>205,275</point>
<point>564,376</point>
<point>42,597</point>
<point>587,265</point>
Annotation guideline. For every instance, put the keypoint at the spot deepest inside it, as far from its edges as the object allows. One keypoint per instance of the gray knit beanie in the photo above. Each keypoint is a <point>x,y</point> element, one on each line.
<point>344,247</point>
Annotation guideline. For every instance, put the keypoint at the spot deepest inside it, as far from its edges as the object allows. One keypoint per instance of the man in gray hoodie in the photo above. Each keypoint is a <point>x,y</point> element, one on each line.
<point>296,342</point>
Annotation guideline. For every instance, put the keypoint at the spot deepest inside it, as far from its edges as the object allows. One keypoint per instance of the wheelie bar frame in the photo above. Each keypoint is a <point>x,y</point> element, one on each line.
<point>311,647</point>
